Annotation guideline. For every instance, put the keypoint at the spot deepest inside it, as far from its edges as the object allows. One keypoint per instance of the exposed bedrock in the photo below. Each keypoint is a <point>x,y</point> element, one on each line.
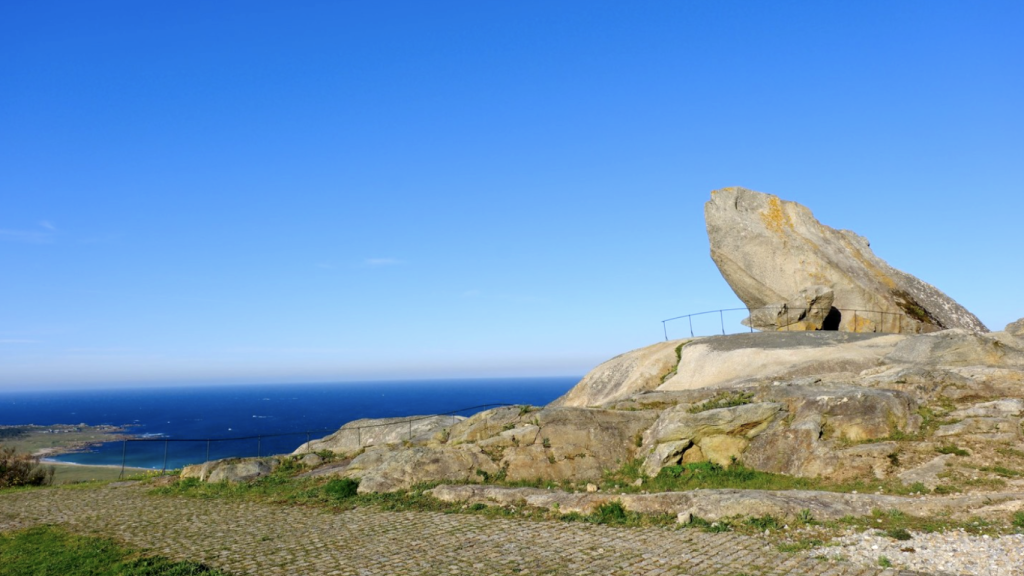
<point>774,253</point>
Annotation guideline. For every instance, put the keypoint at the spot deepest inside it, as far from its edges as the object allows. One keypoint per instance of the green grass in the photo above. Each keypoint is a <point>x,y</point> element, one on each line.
<point>723,400</point>
<point>737,476</point>
<point>951,449</point>
<point>47,550</point>
<point>282,487</point>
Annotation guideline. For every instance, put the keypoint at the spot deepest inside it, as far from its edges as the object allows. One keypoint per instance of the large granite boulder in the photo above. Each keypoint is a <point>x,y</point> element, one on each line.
<point>571,443</point>
<point>231,470</point>
<point>359,434</point>
<point>770,250</point>
<point>635,371</point>
<point>389,470</point>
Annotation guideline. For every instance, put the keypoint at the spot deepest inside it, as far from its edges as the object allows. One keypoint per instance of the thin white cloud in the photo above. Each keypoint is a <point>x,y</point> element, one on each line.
<point>27,236</point>
<point>376,262</point>
<point>45,236</point>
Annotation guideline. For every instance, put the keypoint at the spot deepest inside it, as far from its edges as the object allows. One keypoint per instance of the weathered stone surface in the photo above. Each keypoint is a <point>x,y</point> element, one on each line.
<point>244,470</point>
<point>797,450</point>
<point>387,471</point>
<point>718,504</point>
<point>723,449</point>
<point>956,348</point>
<point>359,434</point>
<point>848,412</point>
<point>927,473</point>
<point>635,371</point>
<point>1007,407</point>
<point>768,250</point>
<point>311,460</point>
<point>576,443</point>
<point>727,360</point>
<point>865,460</point>
<point>678,423</point>
<point>488,423</point>
<point>983,428</point>
<point>808,311</point>
<point>1016,328</point>
<point>667,454</point>
<point>923,382</point>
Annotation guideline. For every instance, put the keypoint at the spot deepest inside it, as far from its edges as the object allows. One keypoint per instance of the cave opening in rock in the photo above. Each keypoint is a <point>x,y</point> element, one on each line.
<point>831,321</point>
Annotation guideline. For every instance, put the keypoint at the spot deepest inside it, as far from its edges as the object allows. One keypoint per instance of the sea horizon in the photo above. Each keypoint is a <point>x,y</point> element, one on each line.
<point>236,420</point>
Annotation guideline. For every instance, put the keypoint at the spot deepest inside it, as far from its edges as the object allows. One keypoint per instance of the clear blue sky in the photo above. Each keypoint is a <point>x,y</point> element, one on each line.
<point>319,191</point>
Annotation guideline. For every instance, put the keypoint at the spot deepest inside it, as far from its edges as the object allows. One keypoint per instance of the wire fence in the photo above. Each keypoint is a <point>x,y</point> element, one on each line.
<point>782,318</point>
<point>242,446</point>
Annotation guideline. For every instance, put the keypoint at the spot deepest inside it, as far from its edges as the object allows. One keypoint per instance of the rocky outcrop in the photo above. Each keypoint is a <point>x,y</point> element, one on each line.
<point>390,470</point>
<point>1016,329</point>
<point>715,505</point>
<point>629,373</point>
<point>957,348</point>
<point>770,251</point>
<point>726,360</point>
<point>359,434</point>
<point>231,470</point>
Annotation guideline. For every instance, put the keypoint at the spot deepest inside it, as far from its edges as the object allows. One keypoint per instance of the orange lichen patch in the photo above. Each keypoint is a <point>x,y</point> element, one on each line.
<point>859,323</point>
<point>775,218</point>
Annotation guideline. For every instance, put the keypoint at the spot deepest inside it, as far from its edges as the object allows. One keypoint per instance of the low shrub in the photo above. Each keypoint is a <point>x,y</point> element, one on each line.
<point>340,488</point>
<point>22,470</point>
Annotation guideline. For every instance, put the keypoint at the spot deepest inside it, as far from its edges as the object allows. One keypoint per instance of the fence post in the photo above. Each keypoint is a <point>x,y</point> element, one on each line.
<point>124,448</point>
<point>664,329</point>
<point>690,319</point>
<point>721,318</point>
<point>359,436</point>
<point>259,446</point>
<point>410,430</point>
<point>854,320</point>
<point>308,447</point>
<point>207,449</point>
<point>164,469</point>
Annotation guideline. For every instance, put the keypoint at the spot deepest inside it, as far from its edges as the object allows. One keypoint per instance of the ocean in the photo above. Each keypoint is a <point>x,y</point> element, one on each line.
<point>241,420</point>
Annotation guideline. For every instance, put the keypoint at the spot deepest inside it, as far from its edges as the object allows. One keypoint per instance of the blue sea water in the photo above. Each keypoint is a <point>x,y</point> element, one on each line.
<point>247,420</point>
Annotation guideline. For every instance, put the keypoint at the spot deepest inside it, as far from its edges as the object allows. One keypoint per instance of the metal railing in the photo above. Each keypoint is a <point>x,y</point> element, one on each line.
<point>853,320</point>
<point>259,438</point>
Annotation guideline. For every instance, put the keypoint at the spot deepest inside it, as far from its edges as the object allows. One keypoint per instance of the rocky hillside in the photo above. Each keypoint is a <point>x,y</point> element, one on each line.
<point>931,407</point>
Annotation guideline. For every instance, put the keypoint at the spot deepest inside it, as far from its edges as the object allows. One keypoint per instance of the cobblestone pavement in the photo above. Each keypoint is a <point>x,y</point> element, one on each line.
<point>264,539</point>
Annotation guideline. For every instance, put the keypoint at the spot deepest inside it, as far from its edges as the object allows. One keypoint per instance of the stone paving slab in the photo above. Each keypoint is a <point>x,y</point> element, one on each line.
<point>266,539</point>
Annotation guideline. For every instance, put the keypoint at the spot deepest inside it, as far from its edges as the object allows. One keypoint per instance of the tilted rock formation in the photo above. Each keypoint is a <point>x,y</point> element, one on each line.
<point>770,251</point>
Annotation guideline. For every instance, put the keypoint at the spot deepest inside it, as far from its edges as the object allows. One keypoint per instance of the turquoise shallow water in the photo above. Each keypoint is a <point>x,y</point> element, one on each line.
<point>246,420</point>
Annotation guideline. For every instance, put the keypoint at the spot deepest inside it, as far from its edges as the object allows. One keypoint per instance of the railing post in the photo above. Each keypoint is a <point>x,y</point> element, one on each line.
<point>664,329</point>
<point>164,469</point>
<point>124,449</point>
<point>690,319</point>
<point>721,318</point>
